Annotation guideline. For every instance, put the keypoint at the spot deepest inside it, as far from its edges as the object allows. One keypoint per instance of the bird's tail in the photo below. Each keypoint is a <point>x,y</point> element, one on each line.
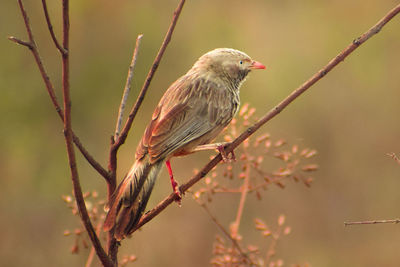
<point>130,199</point>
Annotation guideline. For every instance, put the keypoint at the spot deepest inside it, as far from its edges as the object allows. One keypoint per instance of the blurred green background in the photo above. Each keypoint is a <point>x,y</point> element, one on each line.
<point>351,117</point>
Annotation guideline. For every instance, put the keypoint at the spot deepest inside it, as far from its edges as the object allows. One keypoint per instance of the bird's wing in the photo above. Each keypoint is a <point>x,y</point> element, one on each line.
<point>189,109</point>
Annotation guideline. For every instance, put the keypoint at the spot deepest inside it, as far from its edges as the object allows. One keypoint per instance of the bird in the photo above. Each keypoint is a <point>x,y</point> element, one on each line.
<point>191,113</point>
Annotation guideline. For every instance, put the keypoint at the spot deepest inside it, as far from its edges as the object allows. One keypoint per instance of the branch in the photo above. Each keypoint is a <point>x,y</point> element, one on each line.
<point>372,222</point>
<point>112,164</point>
<point>92,250</point>
<point>50,26</point>
<point>18,41</point>
<point>149,77</point>
<point>69,143</point>
<point>112,243</point>
<point>271,114</point>
<point>50,88</point>
<point>127,88</point>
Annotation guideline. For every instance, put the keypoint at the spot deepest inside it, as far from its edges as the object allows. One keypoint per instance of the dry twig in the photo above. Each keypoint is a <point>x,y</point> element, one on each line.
<point>124,133</point>
<point>50,26</point>
<point>66,117</point>
<point>69,143</point>
<point>31,44</point>
<point>372,222</point>
<point>127,88</point>
<point>112,244</point>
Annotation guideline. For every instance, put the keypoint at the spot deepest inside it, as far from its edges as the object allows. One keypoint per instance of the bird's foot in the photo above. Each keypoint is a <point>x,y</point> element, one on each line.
<point>225,156</point>
<point>177,192</point>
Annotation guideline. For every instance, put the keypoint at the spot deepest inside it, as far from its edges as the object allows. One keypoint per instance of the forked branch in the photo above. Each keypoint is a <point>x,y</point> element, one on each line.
<point>105,260</point>
<point>117,141</point>
<point>149,77</point>
<point>31,44</point>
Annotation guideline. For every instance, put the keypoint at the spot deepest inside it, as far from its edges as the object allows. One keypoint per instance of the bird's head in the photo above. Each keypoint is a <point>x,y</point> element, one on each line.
<point>228,64</point>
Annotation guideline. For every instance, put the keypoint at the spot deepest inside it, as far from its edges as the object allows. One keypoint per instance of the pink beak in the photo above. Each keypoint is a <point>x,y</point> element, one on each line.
<point>257,65</point>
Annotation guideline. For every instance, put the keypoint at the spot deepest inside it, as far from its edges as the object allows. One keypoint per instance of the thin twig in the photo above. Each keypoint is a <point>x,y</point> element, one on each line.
<point>272,246</point>
<point>244,190</point>
<point>69,143</point>
<point>372,222</point>
<point>127,88</point>
<point>150,75</point>
<point>92,161</point>
<point>18,41</point>
<point>226,233</point>
<point>50,89</point>
<point>50,26</point>
<point>272,113</point>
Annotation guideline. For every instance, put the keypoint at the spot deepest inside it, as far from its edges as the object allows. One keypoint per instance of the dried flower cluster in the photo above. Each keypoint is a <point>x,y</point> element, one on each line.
<point>95,207</point>
<point>262,161</point>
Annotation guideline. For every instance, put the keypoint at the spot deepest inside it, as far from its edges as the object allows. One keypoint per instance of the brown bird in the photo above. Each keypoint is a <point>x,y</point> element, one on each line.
<point>191,113</point>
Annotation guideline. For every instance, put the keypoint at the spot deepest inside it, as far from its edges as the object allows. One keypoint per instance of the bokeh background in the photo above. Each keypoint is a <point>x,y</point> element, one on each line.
<point>351,117</point>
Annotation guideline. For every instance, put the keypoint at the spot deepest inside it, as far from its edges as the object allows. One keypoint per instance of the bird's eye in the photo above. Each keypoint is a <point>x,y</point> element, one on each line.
<point>240,62</point>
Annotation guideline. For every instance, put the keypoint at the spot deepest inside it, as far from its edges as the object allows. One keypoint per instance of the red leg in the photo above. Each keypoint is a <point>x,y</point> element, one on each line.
<point>173,182</point>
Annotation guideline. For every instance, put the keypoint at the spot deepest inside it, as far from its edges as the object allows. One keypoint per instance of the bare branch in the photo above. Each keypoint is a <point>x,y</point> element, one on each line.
<point>127,88</point>
<point>18,41</point>
<point>271,114</point>
<point>149,77</point>
<point>94,163</point>
<point>92,250</point>
<point>112,164</point>
<point>70,147</point>
<point>50,89</point>
<point>372,222</point>
<point>112,244</point>
<point>50,26</point>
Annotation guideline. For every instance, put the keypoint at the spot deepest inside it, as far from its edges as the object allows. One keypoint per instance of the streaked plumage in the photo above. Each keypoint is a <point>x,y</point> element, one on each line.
<point>192,112</point>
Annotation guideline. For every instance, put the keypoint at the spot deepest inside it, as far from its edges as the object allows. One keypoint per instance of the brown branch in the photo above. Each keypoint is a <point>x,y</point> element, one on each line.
<point>18,41</point>
<point>69,143</point>
<point>149,77</point>
<point>271,114</point>
<point>112,244</point>
<point>127,88</point>
<point>92,161</point>
<point>50,89</point>
<point>50,26</point>
<point>372,222</point>
<point>92,250</point>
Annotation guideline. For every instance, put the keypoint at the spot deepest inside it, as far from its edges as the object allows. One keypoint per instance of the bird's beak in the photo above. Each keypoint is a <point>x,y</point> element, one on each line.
<point>257,65</point>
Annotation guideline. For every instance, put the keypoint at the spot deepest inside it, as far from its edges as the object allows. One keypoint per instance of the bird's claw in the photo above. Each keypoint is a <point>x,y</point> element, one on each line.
<point>225,156</point>
<point>177,192</point>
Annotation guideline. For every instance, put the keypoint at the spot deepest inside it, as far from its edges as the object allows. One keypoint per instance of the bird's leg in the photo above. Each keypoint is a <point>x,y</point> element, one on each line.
<point>221,149</point>
<point>174,184</point>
